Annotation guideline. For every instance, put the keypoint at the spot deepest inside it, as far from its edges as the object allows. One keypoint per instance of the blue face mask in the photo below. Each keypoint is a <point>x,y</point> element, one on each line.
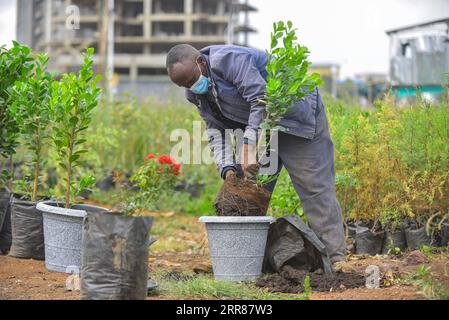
<point>201,86</point>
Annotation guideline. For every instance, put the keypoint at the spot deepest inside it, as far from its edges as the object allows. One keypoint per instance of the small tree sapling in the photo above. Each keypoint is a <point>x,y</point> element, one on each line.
<point>16,64</point>
<point>288,80</point>
<point>31,110</point>
<point>73,100</point>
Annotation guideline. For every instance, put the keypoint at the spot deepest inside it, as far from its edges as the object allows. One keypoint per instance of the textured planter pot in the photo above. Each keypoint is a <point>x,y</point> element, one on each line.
<point>5,221</point>
<point>114,263</point>
<point>237,246</point>
<point>27,230</point>
<point>63,234</point>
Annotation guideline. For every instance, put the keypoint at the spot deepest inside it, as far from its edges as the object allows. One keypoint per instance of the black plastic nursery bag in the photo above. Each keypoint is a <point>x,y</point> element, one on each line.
<point>114,258</point>
<point>292,243</point>
<point>27,230</point>
<point>5,222</point>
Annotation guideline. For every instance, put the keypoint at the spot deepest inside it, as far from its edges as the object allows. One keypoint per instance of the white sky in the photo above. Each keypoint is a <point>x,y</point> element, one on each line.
<point>348,32</point>
<point>7,21</point>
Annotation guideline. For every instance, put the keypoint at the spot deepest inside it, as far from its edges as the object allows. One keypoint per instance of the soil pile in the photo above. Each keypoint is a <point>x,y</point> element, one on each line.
<point>290,280</point>
<point>240,197</point>
<point>415,258</point>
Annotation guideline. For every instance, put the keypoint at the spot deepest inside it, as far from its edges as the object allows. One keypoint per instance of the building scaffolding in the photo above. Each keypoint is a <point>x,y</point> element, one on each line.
<point>142,31</point>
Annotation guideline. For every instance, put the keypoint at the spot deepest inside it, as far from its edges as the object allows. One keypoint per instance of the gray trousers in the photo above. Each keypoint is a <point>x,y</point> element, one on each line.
<point>310,165</point>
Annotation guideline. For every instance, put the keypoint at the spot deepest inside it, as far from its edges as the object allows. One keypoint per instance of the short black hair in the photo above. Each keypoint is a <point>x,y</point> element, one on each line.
<point>180,53</point>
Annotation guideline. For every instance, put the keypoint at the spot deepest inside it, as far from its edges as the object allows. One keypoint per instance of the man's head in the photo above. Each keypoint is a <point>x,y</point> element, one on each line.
<point>185,65</point>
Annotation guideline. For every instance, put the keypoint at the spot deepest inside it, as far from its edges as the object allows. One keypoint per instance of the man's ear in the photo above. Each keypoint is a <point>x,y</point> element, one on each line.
<point>201,61</point>
<point>202,64</point>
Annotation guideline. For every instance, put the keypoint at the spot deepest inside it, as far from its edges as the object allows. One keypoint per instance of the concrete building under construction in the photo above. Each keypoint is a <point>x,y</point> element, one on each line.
<point>136,33</point>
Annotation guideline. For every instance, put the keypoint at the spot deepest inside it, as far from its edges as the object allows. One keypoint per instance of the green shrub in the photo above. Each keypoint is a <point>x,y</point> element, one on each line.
<point>73,100</point>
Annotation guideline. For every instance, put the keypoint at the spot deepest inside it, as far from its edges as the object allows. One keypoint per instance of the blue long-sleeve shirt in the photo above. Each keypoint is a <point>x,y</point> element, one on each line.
<point>238,76</point>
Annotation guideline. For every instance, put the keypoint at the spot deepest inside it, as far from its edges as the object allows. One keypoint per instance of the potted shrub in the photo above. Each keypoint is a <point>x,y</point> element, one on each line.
<point>425,182</point>
<point>237,241</point>
<point>31,110</point>
<point>419,194</point>
<point>15,65</point>
<point>115,245</point>
<point>72,102</point>
<point>360,147</point>
<point>390,173</point>
<point>393,223</point>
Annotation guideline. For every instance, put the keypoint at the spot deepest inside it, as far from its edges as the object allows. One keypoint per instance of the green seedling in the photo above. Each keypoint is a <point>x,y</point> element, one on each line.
<point>288,80</point>
<point>73,100</point>
<point>15,65</point>
<point>31,110</point>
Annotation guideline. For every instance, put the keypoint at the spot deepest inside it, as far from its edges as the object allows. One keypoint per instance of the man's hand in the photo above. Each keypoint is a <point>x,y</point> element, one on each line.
<point>229,174</point>
<point>249,161</point>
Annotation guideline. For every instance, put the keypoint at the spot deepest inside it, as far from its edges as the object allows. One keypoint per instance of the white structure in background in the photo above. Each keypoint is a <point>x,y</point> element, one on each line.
<point>142,31</point>
<point>419,57</point>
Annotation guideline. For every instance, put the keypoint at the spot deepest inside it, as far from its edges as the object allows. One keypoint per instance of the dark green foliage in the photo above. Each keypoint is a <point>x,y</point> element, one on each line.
<point>288,80</point>
<point>15,65</point>
<point>30,108</point>
<point>73,100</point>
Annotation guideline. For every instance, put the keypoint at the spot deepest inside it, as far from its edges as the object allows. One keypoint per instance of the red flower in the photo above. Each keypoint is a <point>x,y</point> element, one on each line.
<point>150,156</point>
<point>176,168</point>
<point>165,159</point>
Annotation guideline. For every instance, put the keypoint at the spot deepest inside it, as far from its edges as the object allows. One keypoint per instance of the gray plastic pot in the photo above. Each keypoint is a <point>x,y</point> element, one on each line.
<point>237,246</point>
<point>63,234</point>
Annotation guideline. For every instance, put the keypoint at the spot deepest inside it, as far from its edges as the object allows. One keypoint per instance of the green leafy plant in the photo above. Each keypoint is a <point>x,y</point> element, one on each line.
<point>153,179</point>
<point>284,200</point>
<point>431,286</point>
<point>288,80</point>
<point>307,287</point>
<point>345,186</point>
<point>31,110</point>
<point>73,100</point>
<point>15,65</point>
<point>392,250</point>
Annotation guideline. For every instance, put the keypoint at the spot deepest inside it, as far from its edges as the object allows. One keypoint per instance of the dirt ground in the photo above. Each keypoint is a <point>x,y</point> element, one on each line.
<point>180,248</point>
<point>30,280</point>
